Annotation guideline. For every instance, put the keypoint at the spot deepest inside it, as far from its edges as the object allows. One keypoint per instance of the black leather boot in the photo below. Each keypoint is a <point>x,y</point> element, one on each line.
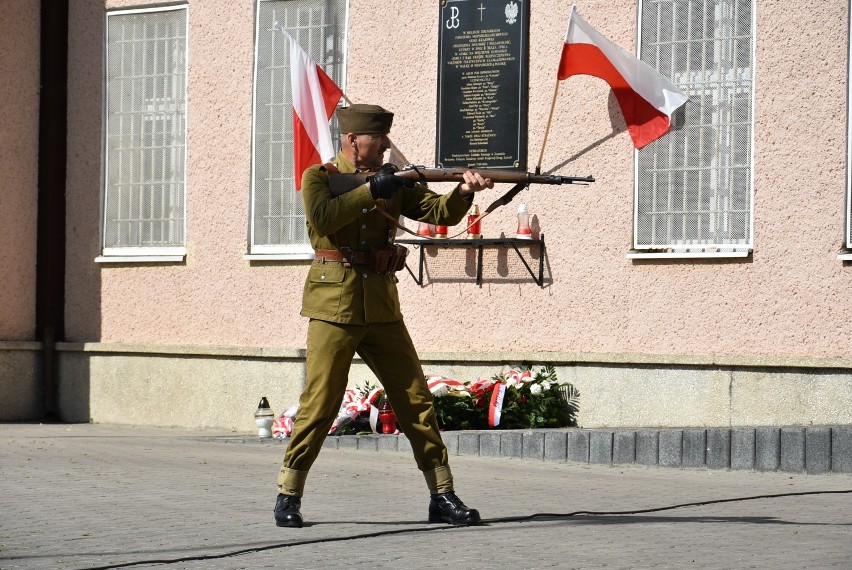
<point>287,511</point>
<point>448,508</point>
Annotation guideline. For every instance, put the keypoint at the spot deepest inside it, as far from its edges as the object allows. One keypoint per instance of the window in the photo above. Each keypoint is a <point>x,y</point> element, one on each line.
<point>694,186</point>
<point>145,134</point>
<point>277,216</point>
<point>846,252</point>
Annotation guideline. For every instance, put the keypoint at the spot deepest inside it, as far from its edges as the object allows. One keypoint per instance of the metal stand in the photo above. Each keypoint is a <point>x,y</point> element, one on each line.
<point>480,245</point>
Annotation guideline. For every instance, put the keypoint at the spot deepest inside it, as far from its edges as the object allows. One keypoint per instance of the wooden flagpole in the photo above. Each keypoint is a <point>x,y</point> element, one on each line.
<point>552,105</point>
<point>547,128</point>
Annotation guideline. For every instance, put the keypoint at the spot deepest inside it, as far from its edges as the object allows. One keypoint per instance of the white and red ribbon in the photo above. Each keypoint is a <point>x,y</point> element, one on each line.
<point>495,408</point>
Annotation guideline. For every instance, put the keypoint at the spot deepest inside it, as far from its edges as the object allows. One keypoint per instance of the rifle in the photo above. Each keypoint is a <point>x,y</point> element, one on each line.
<point>343,183</point>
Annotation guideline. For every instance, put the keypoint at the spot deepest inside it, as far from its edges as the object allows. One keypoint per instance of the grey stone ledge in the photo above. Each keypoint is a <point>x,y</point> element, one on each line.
<point>557,358</point>
<point>20,345</point>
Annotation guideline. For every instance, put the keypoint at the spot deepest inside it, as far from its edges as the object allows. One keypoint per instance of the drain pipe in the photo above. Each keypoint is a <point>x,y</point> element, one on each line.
<point>50,233</point>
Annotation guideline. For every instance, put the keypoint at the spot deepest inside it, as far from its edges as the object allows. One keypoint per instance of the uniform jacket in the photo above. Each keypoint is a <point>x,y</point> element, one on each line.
<point>357,295</point>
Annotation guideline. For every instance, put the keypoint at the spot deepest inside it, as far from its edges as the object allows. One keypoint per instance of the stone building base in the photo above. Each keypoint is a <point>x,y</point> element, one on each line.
<point>219,387</point>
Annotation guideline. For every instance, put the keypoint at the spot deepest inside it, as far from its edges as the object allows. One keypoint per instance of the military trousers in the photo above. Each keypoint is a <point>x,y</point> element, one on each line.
<point>389,352</point>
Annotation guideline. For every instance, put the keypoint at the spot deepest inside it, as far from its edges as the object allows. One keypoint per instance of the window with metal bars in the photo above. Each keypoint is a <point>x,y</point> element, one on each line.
<point>319,26</point>
<point>145,134</point>
<point>693,187</point>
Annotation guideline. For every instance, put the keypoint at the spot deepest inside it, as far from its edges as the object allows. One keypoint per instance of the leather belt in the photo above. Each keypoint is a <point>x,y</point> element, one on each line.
<point>359,257</point>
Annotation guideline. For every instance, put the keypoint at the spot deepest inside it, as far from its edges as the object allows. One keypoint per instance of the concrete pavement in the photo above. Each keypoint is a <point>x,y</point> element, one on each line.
<point>108,496</point>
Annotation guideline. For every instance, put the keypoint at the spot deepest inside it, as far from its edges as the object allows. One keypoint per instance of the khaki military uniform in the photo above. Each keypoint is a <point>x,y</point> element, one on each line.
<point>355,310</point>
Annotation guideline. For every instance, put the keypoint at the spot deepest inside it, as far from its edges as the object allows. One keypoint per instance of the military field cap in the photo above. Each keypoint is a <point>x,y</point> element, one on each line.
<point>364,119</point>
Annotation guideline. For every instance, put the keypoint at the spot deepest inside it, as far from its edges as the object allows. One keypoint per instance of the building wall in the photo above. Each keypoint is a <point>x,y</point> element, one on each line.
<point>19,93</point>
<point>20,377</point>
<point>790,299</point>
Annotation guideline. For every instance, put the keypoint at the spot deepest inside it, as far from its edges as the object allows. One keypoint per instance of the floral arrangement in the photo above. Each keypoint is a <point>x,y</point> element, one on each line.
<point>517,398</point>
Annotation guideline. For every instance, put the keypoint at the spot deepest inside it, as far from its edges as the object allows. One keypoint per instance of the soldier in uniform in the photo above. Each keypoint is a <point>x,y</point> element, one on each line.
<point>352,302</point>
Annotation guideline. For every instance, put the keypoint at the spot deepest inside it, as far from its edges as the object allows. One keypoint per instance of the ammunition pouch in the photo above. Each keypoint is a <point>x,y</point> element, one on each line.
<point>389,259</point>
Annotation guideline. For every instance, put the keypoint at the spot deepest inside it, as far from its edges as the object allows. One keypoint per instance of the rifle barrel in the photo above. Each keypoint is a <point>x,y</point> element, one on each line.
<point>496,175</point>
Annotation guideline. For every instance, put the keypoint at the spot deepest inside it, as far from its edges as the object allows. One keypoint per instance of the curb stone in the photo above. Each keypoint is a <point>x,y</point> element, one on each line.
<point>811,450</point>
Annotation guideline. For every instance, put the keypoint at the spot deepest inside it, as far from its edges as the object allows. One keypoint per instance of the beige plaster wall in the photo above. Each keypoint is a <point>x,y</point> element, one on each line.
<point>791,298</point>
<point>19,93</point>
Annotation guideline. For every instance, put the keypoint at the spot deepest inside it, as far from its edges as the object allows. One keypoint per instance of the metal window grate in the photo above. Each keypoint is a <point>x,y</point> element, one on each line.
<point>145,146</point>
<point>694,185</point>
<point>278,217</point>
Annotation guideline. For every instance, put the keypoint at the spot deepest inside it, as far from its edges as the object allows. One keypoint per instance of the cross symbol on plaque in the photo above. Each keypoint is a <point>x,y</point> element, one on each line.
<point>481,10</point>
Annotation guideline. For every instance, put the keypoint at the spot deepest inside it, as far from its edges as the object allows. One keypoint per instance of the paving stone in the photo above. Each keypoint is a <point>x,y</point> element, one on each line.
<point>818,450</point>
<point>600,447</point>
<point>555,445</point>
<point>718,448</point>
<point>451,440</point>
<point>389,442</point>
<point>489,444</point>
<point>368,442</point>
<point>577,445</point>
<point>694,448</point>
<point>742,448</point>
<point>624,447</point>
<point>792,449</point>
<point>767,452</point>
<point>671,448</point>
<point>841,449</point>
<point>511,444</point>
<point>469,443</point>
<point>533,443</point>
<point>647,447</point>
<point>345,441</point>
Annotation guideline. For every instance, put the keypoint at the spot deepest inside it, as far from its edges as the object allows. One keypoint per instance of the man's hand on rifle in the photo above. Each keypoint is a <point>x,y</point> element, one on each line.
<point>384,182</point>
<point>474,182</point>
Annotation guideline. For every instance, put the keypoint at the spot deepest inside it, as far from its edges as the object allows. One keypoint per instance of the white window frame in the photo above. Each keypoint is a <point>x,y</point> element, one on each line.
<point>846,252</point>
<point>685,250</point>
<point>290,251</point>
<point>137,254</point>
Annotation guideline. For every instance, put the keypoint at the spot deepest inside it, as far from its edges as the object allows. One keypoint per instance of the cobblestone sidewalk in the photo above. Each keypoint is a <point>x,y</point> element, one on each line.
<point>103,496</point>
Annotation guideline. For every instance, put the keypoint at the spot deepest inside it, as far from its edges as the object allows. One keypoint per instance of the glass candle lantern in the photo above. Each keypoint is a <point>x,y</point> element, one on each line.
<point>524,230</point>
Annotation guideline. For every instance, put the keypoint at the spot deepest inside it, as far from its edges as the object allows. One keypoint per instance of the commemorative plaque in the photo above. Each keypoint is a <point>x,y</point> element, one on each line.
<point>482,84</point>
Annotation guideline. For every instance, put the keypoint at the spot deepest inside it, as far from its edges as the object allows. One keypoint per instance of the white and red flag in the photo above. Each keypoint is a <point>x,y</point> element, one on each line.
<point>315,96</point>
<point>646,97</point>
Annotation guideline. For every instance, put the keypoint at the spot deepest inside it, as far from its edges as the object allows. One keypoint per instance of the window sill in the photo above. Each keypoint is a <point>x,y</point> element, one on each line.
<point>140,259</point>
<point>301,256</point>
<point>845,254</point>
<point>687,253</point>
<point>142,255</point>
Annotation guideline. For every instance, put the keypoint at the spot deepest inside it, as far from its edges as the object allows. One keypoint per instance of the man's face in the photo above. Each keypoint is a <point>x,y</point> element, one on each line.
<point>370,150</point>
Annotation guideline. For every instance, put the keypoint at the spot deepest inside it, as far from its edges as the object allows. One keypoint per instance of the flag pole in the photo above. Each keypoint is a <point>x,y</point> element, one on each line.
<point>553,103</point>
<point>547,128</point>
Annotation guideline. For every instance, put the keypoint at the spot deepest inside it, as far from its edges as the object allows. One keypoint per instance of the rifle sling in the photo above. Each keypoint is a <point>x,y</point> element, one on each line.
<point>506,198</point>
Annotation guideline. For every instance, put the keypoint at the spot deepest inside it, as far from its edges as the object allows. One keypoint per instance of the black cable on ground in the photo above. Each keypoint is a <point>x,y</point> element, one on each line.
<point>485,522</point>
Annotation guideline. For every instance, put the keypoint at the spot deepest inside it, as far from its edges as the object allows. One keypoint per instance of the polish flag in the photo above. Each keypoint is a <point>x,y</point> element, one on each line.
<point>315,96</point>
<point>647,98</point>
